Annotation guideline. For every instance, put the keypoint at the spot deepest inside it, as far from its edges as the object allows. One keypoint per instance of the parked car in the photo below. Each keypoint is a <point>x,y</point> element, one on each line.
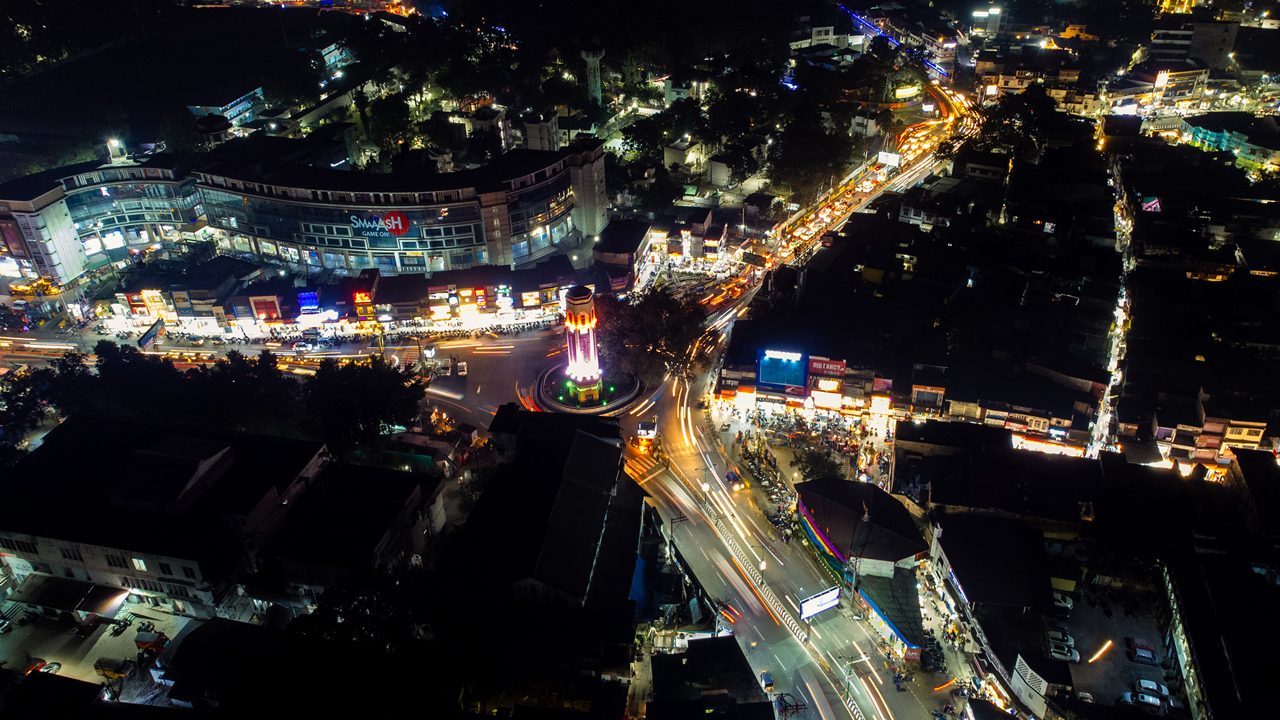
<point>1133,642</point>
<point>1144,656</point>
<point>1062,601</point>
<point>462,369</point>
<point>1151,687</point>
<point>5,625</point>
<point>1059,637</point>
<point>1085,697</point>
<point>1052,624</point>
<point>766,681</point>
<point>1061,651</point>
<point>1141,700</point>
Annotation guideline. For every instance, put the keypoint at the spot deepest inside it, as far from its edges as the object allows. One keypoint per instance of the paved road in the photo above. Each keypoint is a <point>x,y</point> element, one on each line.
<point>500,368</point>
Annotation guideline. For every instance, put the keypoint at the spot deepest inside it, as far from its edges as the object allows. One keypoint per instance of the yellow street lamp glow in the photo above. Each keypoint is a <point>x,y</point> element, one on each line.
<point>1106,646</point>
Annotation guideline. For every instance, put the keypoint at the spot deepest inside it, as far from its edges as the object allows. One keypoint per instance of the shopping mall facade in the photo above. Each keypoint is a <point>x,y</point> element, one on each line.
<point>259,198</point>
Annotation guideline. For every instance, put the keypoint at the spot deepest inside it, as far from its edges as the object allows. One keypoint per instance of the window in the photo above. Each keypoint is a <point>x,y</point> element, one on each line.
<point>116,561</point>
<point>189,572</point>
<point>71,554</point>
<point>139,564</point>
<point>164,568</point>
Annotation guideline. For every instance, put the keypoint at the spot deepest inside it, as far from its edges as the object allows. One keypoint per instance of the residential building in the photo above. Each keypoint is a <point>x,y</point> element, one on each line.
<point>586,162</point>
<point>1254,140</point>
<point>237,106</point>
<point>542,131</point>
<point>160,515</point>
<point>1207,41</point>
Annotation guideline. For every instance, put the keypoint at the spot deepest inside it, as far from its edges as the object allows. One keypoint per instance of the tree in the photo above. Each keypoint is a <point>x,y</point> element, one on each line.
<point>293,76</point>
<point>651,335</point>
<point>816,463</point>
<point>809,157</point>
<point>663,191</point>
<point>389,124</point>
<point>484,146</point>
<point>354,403</point>
<point>179,132</point>
<point>22,408</point>
<point>645,138</point>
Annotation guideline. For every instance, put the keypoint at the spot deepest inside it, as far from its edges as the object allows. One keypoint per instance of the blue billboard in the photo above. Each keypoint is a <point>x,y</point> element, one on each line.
<point>782,368</point>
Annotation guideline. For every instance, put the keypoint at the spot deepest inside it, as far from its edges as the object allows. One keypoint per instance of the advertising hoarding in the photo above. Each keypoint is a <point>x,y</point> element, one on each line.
<point>815,604</point>
<point>888,158</point>
<point>779,367</point>
<point>826,367</point>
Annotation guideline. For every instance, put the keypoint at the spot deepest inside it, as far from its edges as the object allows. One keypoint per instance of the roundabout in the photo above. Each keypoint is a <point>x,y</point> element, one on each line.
<point>580,385</point>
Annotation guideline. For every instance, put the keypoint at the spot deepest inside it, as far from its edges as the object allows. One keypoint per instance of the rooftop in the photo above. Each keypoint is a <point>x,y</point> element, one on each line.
<point>861,519</point>
<point>996,561</point>
<point>78,507</point>
<point>279,161</point>
<point>622,236</point>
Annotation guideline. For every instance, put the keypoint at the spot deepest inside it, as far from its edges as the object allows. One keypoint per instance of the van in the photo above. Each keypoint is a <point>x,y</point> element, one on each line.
<point>766,681</point>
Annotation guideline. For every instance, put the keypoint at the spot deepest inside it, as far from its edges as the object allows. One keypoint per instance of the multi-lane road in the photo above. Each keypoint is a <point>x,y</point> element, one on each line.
<point>832,664</point>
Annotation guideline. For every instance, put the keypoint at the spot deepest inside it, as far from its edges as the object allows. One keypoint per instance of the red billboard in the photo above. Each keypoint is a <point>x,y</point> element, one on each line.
<point>826,367</point>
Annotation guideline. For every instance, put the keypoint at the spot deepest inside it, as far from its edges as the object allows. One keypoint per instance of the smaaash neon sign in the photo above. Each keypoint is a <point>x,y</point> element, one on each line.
<point>393,224</point>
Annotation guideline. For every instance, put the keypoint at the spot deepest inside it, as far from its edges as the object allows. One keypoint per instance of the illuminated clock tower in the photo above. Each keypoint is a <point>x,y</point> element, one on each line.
<point>580,333</point>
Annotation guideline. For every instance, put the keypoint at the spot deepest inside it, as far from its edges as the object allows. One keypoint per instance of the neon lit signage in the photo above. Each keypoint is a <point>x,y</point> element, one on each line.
<point>780,355</point>
<point>393,224</point>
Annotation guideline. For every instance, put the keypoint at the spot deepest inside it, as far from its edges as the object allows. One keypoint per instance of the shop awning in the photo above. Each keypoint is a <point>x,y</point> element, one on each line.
<point>68,595</point>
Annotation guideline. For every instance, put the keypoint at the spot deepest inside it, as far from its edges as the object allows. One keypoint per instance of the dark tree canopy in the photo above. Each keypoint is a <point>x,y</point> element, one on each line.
<point>650,335</point>
<point>342,405</point>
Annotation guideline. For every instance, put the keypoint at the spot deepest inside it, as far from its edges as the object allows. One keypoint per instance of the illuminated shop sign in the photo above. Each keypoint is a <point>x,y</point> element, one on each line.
<point>826,366</point>
<point>393,224</point>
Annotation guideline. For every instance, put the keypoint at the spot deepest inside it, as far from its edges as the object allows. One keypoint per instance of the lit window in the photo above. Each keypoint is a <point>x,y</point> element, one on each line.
<point>139,564</point>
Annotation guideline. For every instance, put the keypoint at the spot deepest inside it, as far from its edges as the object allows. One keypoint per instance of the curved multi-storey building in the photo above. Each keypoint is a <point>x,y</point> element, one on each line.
<point>515,211</point>
<point>60,223</point>
<point>260,197</point>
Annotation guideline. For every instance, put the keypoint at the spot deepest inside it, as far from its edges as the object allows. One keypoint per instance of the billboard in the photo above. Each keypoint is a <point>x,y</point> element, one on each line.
<point>888,158</point>
<point>779,367</point>
<point>815,604</point>
<point>152,333</point>
<point>826,367</point>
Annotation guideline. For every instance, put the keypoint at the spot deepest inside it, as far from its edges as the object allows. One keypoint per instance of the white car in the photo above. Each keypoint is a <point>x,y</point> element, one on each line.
<point>1061,651</point>
<point>1151,687</point>
<point>1059,637</point>
<point>1142,699</point>
<point>1062,601</point>
<point>462,369</point>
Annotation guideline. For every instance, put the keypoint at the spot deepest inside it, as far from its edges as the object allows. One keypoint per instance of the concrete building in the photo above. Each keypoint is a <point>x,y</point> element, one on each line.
<point>238,107</point>
<point>1208,41</point>
<point>542,131</point>
<point>1255,141</point>
<point>165,516</point>
<point>585,161</point>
